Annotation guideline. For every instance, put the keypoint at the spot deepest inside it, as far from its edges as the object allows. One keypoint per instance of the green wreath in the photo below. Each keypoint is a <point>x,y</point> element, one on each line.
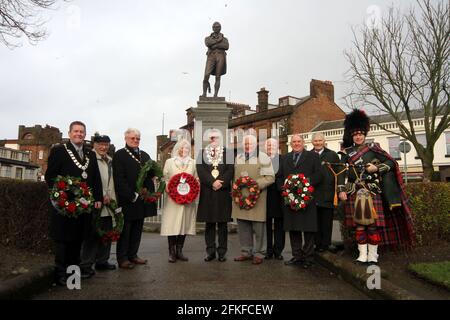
<point>113,234</point>
<point>147,196</point>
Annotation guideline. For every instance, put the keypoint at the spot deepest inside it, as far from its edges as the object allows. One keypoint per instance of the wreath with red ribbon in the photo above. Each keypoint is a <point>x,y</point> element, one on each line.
<point>249,201</point>
<point>71,196</point>
<point>150,197</point>
<point>113,234</point>
<point>297,191</point>
<point>183,188</point>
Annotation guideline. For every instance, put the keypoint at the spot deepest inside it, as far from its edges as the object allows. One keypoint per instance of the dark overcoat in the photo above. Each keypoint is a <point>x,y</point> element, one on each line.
<point>274,200</point>
<point>325,190</point>
<point>126,171</point>
<point>60,163</point>
<point>214,206</point>
<point>309,164</point>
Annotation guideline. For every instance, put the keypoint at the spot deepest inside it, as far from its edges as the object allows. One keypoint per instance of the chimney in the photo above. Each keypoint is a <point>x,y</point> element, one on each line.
<point>263,100</point>
<point>321,89</point>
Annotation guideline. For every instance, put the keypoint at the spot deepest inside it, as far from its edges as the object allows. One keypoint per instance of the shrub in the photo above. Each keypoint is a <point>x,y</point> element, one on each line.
<point>24,215</point>
<point>430,205</point>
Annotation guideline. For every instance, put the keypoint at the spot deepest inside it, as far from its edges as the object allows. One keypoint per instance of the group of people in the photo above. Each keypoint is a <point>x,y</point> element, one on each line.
<point>365,177</point>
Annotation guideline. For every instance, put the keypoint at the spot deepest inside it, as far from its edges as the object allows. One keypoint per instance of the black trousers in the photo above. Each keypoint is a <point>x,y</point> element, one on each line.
<point>130,239</point>
<point>210,238</point>
<point>93,249</point>
<point>324,227</point>
<point>300,250</point>
<point>67,253</point>
<point>276,236</point>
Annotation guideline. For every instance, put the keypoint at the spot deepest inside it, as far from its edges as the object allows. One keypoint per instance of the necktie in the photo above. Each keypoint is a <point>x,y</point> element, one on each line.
<point>296,158</point>
<point>80,153</point>
<point>247,156</point>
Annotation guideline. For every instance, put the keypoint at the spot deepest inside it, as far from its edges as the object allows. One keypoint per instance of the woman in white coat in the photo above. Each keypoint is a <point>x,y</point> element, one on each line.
<point>178,220</point>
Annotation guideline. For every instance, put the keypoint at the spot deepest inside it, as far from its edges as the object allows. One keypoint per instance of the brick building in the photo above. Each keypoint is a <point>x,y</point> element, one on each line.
<point>38,141</point>
<point>291,114</point>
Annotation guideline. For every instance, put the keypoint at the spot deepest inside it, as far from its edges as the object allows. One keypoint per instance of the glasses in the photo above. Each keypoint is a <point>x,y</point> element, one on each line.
<point>134,138</point>
<point>212,138</point>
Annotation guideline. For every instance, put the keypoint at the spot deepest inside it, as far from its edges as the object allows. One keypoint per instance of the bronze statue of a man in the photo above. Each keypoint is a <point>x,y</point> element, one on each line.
<point>216,63</point>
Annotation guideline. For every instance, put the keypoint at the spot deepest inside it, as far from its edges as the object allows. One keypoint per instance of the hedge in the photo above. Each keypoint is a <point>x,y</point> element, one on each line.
<point>430,204</point>
<point>24,215</point>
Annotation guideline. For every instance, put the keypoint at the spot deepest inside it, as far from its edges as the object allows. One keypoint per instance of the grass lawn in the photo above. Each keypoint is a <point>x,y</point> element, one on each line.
<point>435,272</point>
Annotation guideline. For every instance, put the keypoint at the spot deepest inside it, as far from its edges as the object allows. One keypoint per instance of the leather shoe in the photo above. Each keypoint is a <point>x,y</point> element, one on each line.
<point>126,265</point>
<point>243,258</point>
<point>87,273</point>
<point>294,262</point>
<point>279,257</point>
<point>61,281</point>
<point>257,260</point>
<point>307,264</point>
<point>222,259</point>
<point>138,261</point>
<point>268,256</point>
<point>210,257</point>
<point>105,266</point>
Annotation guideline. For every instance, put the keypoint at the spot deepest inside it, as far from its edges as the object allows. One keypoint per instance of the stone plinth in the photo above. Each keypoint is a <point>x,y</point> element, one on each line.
<point>210,113</point>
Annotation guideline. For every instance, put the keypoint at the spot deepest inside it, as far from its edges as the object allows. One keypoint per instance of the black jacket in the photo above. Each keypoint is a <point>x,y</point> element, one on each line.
<point>59,163</point>
<point>326,188</point>
<point>214,206</point>
<point>274,200</point>
<point>126,171</point>
<point>308,164</point>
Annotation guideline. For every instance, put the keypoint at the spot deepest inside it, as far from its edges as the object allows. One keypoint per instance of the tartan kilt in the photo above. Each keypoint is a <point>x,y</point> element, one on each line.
<point>350,210</point>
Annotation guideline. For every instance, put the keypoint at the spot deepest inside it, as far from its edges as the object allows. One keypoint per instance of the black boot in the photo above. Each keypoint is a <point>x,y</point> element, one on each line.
<point>172,248</point>
<point>180,244</point>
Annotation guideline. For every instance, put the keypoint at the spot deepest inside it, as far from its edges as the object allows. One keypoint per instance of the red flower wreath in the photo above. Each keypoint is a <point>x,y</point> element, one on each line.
<point>183,188</point>
<point>250,201</point>
<point>71,196</point>
<point>297,191</point>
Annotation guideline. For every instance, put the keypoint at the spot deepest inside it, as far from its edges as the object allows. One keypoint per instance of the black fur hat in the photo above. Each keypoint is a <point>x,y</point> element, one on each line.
<point>355,122</point>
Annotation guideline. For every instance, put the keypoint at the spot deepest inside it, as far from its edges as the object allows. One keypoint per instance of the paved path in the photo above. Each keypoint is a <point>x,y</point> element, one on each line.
<point>201,280</point>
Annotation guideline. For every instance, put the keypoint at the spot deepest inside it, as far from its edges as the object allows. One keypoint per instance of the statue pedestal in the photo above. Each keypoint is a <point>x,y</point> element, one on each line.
<point>210,113</point>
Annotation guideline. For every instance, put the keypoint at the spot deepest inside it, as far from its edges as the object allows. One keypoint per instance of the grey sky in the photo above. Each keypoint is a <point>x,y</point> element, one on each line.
<point>119,64</point>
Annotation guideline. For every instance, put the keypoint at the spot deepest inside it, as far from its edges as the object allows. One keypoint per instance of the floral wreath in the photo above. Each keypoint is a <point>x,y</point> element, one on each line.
<point>113,234</point>
<point>250,201</point>
<point>71,197</point>
<point>150,197</point>
<point>297,191</point>
<point>183,188</point>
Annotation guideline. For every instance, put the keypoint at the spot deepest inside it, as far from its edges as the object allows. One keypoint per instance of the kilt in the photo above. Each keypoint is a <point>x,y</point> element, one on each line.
<point>350,210</point>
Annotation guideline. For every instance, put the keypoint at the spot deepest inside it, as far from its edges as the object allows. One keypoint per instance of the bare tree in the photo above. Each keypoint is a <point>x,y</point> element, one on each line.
<point>22,18</point>
<point>401,67</point>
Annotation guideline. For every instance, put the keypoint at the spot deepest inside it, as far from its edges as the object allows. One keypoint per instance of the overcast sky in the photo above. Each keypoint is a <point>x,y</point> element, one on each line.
<point>119,64</point>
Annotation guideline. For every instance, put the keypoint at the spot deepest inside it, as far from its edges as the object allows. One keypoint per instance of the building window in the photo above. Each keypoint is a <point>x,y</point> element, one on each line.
<point>393,147</point>
<point>19,173</point>
<point>41,154</point>
<point>29,174</point>
<point>3,153</point>
<point>15,155</point>
<point>421,138</point>
<point>447,143</point>
<point>5,171</point>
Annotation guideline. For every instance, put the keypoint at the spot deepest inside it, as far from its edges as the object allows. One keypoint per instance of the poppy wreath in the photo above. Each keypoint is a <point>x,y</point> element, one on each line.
<point>189,182</point>
<point>71,196</point>
<point>249,201</point>
<point>297,191</point>
<point>150,197</point>
<point>111,235</point>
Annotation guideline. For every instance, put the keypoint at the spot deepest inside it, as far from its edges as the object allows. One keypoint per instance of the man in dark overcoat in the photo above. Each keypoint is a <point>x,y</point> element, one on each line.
<point>276,236</point>
<point>303,221</point>
<point>326,196</point>
<point>75,160</point>
<point>215,170</point>
<point>127,163</point>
